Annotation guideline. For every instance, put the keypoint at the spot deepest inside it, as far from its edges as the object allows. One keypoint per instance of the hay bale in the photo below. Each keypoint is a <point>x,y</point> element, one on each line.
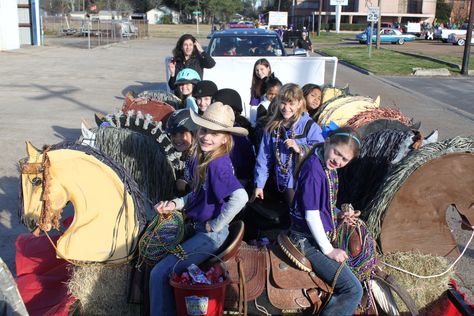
<point>423,291</point>
<point>102,290</point>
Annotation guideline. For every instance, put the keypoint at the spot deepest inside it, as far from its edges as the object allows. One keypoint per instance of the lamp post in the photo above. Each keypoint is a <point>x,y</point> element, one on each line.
<point>467,44</point>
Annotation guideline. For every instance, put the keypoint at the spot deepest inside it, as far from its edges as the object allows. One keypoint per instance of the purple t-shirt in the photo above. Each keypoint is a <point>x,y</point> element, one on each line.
<point>210,199</point>
<point>312,193</point>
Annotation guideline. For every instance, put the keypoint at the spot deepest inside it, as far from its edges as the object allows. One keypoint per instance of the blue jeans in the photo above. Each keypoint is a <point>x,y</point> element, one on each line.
<point>161,293</point>
<point>347,291</point>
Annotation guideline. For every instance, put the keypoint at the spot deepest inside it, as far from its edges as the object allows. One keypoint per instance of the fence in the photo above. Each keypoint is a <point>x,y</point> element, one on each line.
<point>90,33</point>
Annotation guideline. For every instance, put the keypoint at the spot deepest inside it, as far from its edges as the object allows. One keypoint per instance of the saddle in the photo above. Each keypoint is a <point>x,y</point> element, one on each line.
<point>252,269</point>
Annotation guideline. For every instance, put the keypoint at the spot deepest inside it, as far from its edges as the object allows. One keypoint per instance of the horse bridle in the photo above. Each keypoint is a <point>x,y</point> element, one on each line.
<point>36,169</point>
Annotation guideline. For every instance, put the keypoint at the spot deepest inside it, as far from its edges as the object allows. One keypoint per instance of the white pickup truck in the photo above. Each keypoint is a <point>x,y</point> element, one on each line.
<point>443,34</point>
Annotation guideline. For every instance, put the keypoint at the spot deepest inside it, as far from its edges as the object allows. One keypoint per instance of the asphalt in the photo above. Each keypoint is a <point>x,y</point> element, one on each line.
<point>47,91</point>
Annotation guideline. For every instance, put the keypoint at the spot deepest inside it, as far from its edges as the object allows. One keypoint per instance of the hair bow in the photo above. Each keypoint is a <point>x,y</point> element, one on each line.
<point>329,128</point>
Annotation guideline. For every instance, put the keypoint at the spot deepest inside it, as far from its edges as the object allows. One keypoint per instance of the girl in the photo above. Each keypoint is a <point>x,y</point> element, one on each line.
<point>216,198</point>
<point>314,218</point>
<point>203,92</point>
<point>181,131</point>
<point>287,136</point>
<point>185,82</point>
<point>271,88</point>
<point>188,53</point>
<point>261,70</point>
<point>313,96</point>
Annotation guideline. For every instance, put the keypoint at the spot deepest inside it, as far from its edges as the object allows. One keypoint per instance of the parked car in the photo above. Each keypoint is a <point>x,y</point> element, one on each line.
<point>245,42</point>
<point>459,39</point>
<point>387,35</point>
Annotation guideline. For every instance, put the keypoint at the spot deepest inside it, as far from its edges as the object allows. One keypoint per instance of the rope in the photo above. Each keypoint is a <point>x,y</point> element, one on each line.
<point>333,285</point>
<point>435,275</point>
<point>79,264</point>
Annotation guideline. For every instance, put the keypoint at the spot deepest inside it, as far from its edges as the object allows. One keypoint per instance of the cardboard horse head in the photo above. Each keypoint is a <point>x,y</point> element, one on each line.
<point>108,209</point>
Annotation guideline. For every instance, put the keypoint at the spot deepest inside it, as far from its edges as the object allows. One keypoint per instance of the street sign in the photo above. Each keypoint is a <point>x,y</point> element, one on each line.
<point>197,12</point>
<point>339,2</point>
<point>373,14</point>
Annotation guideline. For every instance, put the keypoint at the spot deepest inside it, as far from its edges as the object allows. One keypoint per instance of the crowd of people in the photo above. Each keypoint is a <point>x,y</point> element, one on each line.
<point>229,160</point>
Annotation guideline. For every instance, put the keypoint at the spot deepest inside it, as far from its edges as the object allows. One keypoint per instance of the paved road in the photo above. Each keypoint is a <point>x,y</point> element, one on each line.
<point>47,90</point>
<point>458,92</point>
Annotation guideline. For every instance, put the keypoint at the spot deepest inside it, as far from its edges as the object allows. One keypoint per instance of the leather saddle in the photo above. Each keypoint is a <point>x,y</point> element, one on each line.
<point>252,269</point>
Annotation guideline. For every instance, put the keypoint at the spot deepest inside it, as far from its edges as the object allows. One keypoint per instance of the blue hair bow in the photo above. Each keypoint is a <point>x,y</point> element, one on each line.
<point>329,128</point>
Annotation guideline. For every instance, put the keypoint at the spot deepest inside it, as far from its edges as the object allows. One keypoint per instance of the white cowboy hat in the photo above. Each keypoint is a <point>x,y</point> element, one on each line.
<point>218,117</point>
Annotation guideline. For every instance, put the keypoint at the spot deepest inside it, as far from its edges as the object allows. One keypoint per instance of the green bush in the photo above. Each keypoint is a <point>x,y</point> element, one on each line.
<point>167,19</point>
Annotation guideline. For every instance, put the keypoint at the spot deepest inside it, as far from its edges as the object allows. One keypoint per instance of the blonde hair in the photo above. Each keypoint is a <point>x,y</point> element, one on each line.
<point>288,93</point>
<point>205,158</point>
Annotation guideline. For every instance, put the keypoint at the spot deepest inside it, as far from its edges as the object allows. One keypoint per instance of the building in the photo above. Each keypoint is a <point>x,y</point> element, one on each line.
<point>401,11</point>
<point>155,16</point>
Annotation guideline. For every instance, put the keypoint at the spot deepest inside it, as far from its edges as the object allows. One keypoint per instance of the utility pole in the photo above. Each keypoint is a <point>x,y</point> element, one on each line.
<point>319,17</point>
<point>379,24</point>
<point>467,44</point>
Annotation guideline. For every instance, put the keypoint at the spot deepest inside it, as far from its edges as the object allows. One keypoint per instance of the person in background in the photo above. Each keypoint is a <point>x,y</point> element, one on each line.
<point>181,130</point>
<point>188,53</point>
<point>313,96</point>
<point>243,154</point>
<point>304,42</point>
<point>185,82</point>
<point>314,218</point>
<point>261,70</point>
<point>271,88</point>
<point>287,137</point>
<point>203,92</point>
<point>216,198</point>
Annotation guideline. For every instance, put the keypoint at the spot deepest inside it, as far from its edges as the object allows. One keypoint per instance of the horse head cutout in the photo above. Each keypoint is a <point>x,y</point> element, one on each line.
<point>108,208</point>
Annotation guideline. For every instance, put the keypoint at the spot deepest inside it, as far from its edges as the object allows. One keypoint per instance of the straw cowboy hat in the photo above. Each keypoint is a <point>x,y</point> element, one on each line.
<point>218,117</point>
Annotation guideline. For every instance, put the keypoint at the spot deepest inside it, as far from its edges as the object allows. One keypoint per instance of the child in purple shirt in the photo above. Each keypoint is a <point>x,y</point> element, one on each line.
<point>314,217</point>
<point>288,135</point>
<point>216,198</point>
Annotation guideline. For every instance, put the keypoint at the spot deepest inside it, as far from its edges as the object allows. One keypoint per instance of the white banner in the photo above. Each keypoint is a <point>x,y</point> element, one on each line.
<point>277,18</point>
<point>236,73</point>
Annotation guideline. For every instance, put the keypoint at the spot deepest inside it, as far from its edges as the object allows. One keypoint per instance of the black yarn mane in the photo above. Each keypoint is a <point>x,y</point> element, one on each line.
<point>360,180</point>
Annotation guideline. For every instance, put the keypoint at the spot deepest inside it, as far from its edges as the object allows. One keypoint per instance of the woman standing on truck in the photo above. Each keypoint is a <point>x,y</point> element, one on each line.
<point>188,53</point>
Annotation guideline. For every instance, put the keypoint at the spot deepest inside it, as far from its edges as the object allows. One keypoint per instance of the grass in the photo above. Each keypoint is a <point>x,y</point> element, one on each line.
<point>175,31</point>
<point>383,61</point>
<point>331,37</point>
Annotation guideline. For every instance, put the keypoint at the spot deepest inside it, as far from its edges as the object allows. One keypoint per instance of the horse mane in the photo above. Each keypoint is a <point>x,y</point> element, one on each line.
<point>144,159</point>
<point>371,115</point>
<point>400,172</point>
<point>131,186</point>
<point>144,123</point>
<point>360,180</point>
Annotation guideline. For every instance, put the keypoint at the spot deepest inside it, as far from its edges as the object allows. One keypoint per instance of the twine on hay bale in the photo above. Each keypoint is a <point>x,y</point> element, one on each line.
<point>102,289</point>
<point>423,291</point>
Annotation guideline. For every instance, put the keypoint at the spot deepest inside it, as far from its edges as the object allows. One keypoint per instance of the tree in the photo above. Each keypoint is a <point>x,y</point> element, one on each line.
<point>460,11</point>
<point>443,11</point>
<point>225,9</point>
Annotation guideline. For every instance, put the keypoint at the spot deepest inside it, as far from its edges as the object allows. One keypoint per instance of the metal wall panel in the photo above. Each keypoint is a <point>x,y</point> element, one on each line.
<point>9,30</point>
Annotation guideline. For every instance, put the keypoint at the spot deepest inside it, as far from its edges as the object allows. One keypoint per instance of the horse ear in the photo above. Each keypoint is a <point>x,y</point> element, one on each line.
<point>431,138</point>
<point>31,150</point>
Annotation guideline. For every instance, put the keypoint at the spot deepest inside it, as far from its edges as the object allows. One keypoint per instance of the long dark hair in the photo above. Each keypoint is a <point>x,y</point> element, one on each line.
<point>256,90</point>
<point>178,53</point>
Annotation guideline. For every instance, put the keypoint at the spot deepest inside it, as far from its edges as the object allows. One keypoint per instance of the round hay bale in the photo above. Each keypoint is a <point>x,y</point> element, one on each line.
<point>102,289</point>
<point>423,291</point>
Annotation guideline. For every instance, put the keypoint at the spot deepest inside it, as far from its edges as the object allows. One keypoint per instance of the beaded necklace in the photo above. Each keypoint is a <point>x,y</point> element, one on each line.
<point>284,167</point>
<point>333,181</point>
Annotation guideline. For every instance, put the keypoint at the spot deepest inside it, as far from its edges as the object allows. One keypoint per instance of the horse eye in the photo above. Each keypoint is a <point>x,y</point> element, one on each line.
<point>36,181</point>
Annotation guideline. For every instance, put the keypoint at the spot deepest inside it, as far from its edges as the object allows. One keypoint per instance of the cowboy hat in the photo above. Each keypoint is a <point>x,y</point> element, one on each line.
<point>218,117</point>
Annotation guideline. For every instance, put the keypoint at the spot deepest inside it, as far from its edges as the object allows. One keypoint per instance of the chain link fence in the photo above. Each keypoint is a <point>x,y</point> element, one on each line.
<point>90,32</point>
